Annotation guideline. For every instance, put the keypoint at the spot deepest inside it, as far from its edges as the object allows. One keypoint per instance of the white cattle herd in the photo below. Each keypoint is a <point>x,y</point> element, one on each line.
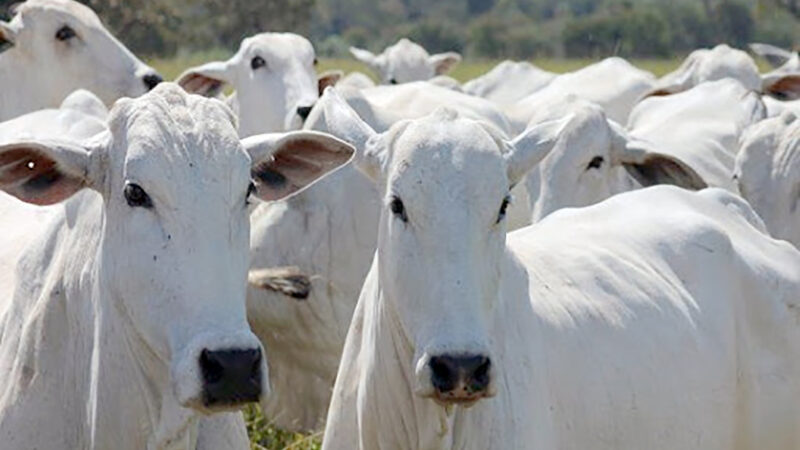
<point>339,251</point>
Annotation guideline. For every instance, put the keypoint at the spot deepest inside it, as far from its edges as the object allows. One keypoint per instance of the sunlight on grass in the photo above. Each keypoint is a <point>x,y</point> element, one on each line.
<point>264,436</point>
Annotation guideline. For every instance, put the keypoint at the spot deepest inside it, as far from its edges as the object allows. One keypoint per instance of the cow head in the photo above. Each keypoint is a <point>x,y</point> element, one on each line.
<point>406,61</point>
<point>768,174</point>
<point>175,182</point>
<point>594,159</point>
<point>445,183</point>
<point>274,77</point>
<point>60,46</point>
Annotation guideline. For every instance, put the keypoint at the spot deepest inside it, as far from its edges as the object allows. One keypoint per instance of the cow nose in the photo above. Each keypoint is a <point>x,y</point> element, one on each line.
<point>461,377</point>
<point>230,377</point>
<point>303,111</point>
<point>151,80</point>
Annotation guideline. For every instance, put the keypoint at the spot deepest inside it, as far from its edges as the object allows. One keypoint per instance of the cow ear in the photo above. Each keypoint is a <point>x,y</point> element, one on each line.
<point>531,146</point>
<point>444,62</point>
<point>207,80</point>
<point>7,36</point>
<point>775,56</point>
<point>650,168</point>
<point>328,78</point>
<point>284,164</point>
<point>342,121</point>
<point>44,172</point>
<point>781,87</point>
<point>365,56</point>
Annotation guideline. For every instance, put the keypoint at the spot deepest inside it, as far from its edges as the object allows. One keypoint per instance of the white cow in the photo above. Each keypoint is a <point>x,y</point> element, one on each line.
<point>768,174</point>
<point>52,47</point>
<point>659,319</point>
<point>613,83</point>
<point>310,254</point>
<point>406,61</point>
<point>722,62</point>
<point>509,81</point>
<point>274,78</point>
<point>688,140</point>
<point>127,318</point>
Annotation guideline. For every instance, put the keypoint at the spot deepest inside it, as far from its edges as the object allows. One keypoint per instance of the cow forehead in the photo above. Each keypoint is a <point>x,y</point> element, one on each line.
<point>445,151</point>
<point>281,45</point>
<point>168,130</point>
<point>69,8</point>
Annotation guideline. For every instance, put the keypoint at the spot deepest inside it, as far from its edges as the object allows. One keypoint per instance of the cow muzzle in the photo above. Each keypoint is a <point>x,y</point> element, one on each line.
<point>231,377</point>
<point>221,372</point>
<point>462,378</point>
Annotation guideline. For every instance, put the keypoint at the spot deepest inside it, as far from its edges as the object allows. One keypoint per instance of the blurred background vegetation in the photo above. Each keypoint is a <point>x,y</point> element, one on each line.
<point>486,29</point>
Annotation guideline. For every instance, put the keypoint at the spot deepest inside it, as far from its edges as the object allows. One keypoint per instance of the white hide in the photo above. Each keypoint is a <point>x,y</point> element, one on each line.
<point>613,83</point>
<point>273,75</point>
<point>658,319</point>
<point>700,126</point>
<point>768,174</point>
<point>113,303</point>
<point>723,62</point>
<point>39,70</point>
<point>406,61</point>
<point>356,80</point>
<point>509,82</point>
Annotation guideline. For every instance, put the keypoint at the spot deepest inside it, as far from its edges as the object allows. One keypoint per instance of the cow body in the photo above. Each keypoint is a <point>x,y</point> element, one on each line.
<point>657,319</point>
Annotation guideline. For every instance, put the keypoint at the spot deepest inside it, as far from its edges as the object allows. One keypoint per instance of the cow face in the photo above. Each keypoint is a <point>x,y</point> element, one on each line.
<point>594,159</point>
<point>445,183</point>
<point>406,61</point>
<point>768,174</point>
<point>274,77</point>
<point>173,258</point>
<point>61,46</point>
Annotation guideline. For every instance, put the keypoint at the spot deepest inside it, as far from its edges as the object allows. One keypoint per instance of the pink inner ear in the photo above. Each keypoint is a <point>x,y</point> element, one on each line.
<point>35,178</point>
<point>200,84</point>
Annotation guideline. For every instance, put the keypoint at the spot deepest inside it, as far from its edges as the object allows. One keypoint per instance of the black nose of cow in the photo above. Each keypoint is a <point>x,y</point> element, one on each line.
<point>151,80</point>
<point>230,377</point>
<point>303,111</point>
<point>462,376</point>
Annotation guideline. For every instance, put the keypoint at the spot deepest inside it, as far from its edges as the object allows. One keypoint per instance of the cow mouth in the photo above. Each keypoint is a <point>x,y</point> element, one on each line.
<point>460,399</point>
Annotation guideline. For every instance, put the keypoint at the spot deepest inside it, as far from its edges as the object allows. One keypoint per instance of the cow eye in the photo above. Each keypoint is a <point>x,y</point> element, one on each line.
<point>65,33</point>
<point>503,207</point>
<point>257,62</point>
<point>398,209</point>
<point>251,189</point>
<point>595,163</point>
<point>393,81</point>
<point>136,196</point>
<point>316,61</point>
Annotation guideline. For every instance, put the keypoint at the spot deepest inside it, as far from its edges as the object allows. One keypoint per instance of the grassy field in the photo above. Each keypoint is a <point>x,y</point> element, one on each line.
<point>263,436</point>
<point>465,71</point>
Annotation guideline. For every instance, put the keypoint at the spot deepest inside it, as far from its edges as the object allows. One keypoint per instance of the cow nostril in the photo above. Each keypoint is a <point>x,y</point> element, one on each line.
<point>211,368</point>
<point>303,111</point>
<point>151,80</point>
<point>442,375</point>
<point>480,377</point>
